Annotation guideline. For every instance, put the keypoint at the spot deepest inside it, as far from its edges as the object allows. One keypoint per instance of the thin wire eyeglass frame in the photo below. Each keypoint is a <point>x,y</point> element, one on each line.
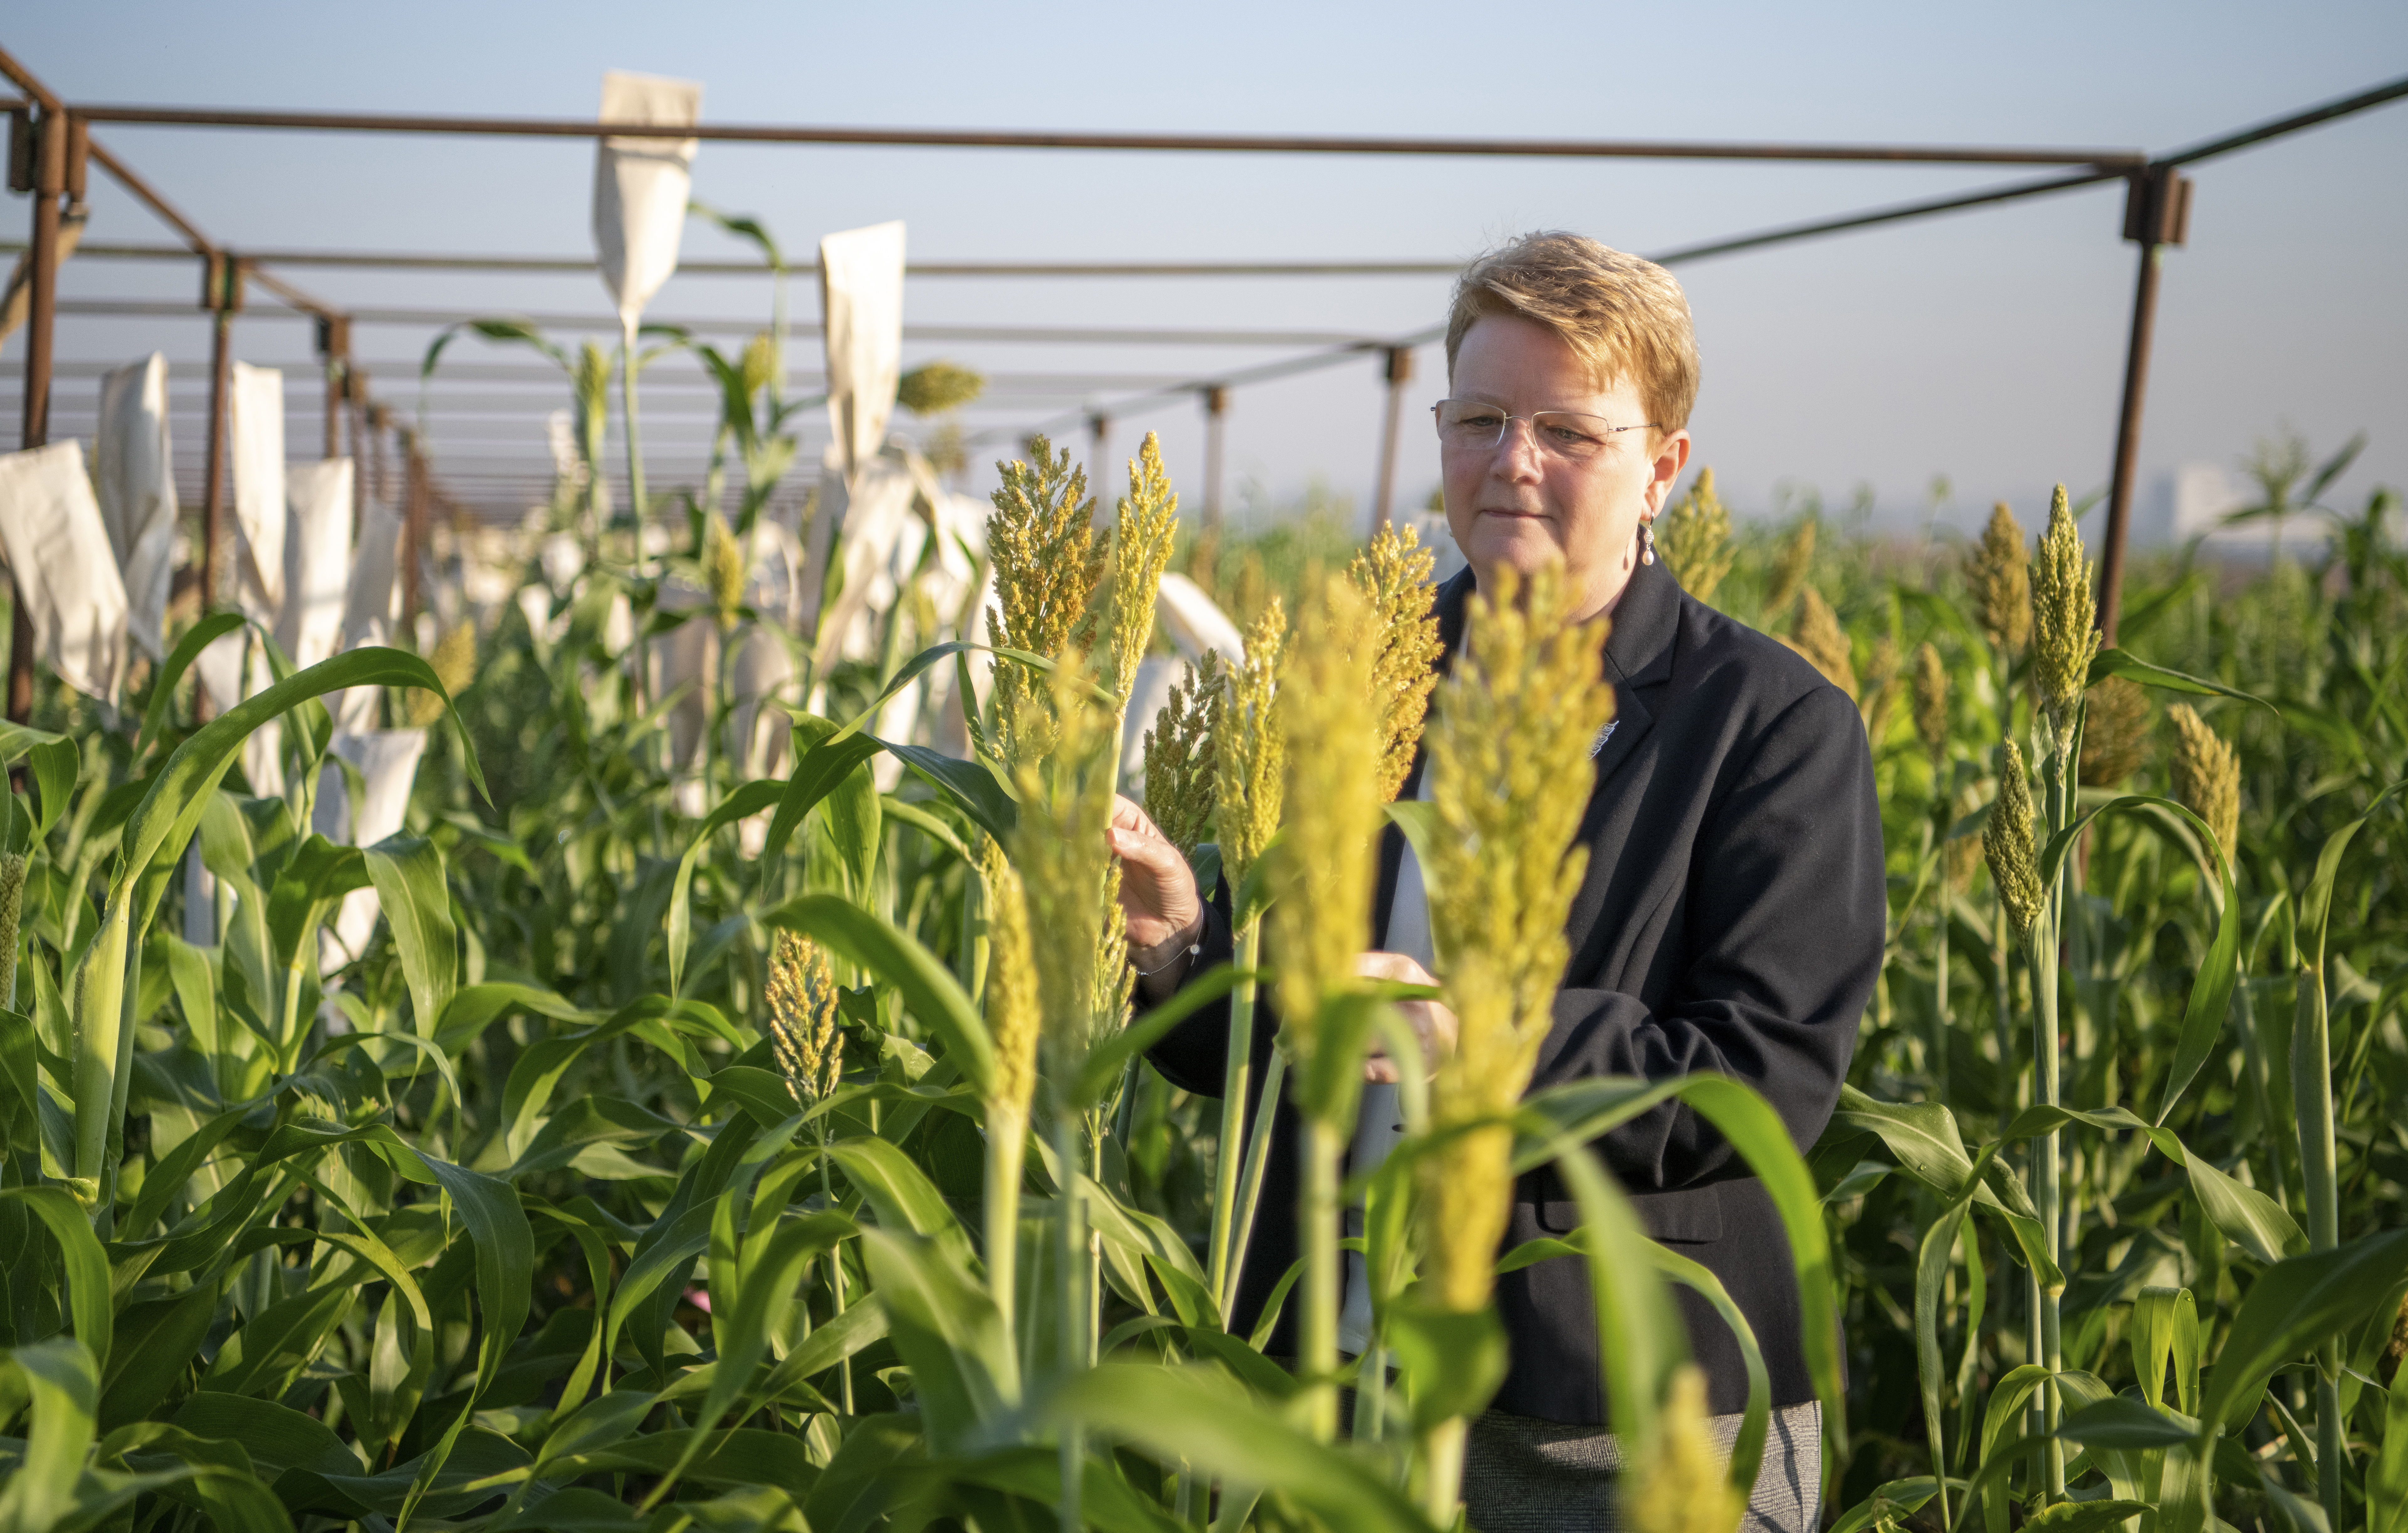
<point>1591,425</point>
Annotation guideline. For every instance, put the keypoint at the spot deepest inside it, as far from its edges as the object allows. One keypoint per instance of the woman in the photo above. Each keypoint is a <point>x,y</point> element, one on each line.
<point>1732,915</point>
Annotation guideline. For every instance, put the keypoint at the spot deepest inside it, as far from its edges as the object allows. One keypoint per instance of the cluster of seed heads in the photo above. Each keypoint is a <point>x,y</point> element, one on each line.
<point>803,1033</point>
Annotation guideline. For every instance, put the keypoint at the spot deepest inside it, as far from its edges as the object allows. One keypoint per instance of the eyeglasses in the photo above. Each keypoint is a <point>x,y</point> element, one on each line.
<point>1468,426</point>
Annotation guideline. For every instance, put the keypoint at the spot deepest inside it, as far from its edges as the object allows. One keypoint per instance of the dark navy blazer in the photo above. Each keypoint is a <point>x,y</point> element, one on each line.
<point>1731,919</point>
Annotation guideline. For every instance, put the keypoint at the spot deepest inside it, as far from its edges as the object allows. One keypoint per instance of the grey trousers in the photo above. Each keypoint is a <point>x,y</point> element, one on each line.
<point>1521,1475</point>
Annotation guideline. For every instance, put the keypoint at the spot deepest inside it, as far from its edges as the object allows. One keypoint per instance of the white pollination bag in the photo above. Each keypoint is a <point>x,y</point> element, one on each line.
<point>641,187</point>
<point>861,307</point>
<point>317,559</point>
<point>372,607</point>
<point>257,427</point>
<point>65,571</point>
<point>136,483</point>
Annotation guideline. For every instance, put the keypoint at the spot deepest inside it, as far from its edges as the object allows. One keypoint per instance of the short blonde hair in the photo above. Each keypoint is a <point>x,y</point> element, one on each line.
<point>1622,315</point>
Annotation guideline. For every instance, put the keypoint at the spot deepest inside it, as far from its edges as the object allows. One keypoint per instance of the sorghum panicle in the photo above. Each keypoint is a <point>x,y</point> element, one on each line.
<point>1182,756</point>
<point>1932,701</point>
<point>1393,573</point>
<point>1695,538</point>
<point>1998,577</point>
<point>1249,752</point>
<point>1145,526</point>
<point>803,1032</point>
<point>2064,636</point>
<point>1820,638</point>
<point>1679,1485</point>
<point>1511,771</point>
<point>1329,724</point>
<point>2207,775</point>
<point>2007,843</point>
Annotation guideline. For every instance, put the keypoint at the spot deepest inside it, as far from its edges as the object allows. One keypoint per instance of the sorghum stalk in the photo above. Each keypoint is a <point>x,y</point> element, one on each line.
<point>1012,1010</point>
<point>1931,728</point>
<point>1998,581</point>
<point>1070,878</point>
<point>801,994</point>
<point>2313,1102</point>
<point>1251,758</point>
<point>2015,870</point>
<point>1320,925</point>
<point>12,906</point>
<point>2063,642</point>
<point>634,444</point>
<point>1511,776</point>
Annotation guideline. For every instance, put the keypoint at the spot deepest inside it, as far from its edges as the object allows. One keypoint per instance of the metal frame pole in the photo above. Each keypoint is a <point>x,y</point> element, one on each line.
<point>413,529</point>
<point>2157,213</point>
<point>1216,424</point>
<point>41,313</point>
<point>1400,372</point>
<point>334,356</point>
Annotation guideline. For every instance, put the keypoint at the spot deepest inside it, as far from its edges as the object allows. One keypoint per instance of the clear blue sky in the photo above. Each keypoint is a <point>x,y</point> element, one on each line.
<point>1986,346</point>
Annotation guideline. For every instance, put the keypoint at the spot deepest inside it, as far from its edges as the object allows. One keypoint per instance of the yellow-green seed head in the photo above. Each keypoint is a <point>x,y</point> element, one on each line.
<point>760,363</point>
<point>1250,755</point>
<point>1880,687</point>
<point>2007,843</point>
<point>1182,756</point>
<point>12,910</point>
<point>2064,636</point>
<point>1013,1015</point>
<point>1144,531</point>
<point>1511,774</point>
<point>1068,871</point>
<point>1695,538</point>
<point>1394,574</point>
<point>1789,572</point>
<point>2207,775</point>
<point>1932,701</point>
<point>1678,1485</point>
<point>724,569</point>
<point>1820,638</point>
<point>1997,578</point>
<point>1330,727</point>
<point>454,664</point>
<point>934,387</point>
<point>1047,565</point>
<point>803,1035</point>
<point>2115,733</point>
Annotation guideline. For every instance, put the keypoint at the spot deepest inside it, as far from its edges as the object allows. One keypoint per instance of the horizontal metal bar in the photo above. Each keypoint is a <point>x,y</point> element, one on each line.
<point>1289,368</point>
<point>2344,106</point>
<point>1037,334</point>
<point>404,260</point>
<point>1599,148</point>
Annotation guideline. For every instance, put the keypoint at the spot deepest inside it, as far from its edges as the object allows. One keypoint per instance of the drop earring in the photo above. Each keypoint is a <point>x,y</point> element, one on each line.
<point>1647,541</point>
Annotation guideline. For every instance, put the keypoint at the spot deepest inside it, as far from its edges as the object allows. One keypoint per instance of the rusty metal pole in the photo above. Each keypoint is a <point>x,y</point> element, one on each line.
<point>221,295</point>
<point>42,305</point>
<point>1401,372</point>
<point>333,353</point>
<point>1099,441</point>
<point>2157,213</point>
<point>1217,421</point>
<point>413,530</point>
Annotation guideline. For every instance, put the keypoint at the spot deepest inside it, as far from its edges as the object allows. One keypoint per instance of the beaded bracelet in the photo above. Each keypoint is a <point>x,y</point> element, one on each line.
<point>1193,949</point>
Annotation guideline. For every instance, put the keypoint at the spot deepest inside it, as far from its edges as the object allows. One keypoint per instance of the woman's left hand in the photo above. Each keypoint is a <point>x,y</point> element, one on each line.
<point>1431,1022</point>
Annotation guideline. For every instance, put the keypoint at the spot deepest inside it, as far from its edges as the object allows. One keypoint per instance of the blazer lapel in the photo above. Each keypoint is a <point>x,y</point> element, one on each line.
<point>1638,660</point>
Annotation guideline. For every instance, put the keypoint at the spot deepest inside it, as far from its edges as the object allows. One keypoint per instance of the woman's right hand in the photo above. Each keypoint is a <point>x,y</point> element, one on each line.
<point>1159,901</point>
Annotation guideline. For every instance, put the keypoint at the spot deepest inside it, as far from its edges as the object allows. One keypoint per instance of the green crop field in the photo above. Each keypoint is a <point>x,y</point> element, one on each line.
<point>718,1137</point>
